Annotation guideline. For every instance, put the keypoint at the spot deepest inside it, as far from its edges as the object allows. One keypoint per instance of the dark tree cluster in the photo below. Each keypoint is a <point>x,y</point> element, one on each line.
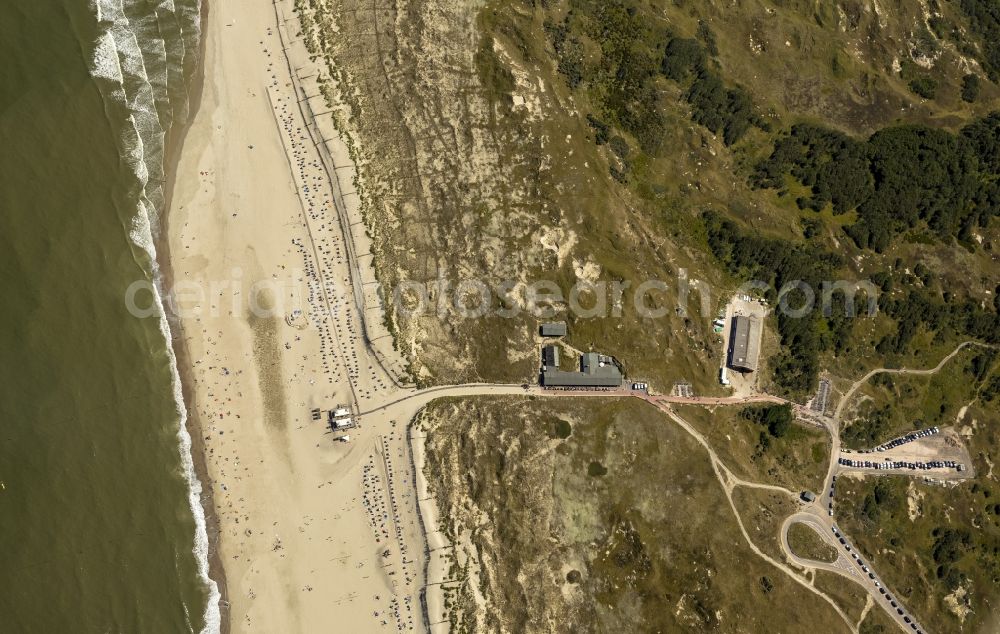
<point>970,88</point>
<point>682,57</point>
<point>882,499</point>
<point>569,51</point>
<point>602,131</point>
<point>921,307</point>
<point>924,86</point>
<point>991,390</point>
<point>833,164</point>
<point>870,429</point>
<point>984,19</point>
<point>723,110</point>
<point>778,262</point>
<point>634,55</point>
<point>921,174</point>
<point>950,545</point>
<point>901,177</point>
<point>776,418</point>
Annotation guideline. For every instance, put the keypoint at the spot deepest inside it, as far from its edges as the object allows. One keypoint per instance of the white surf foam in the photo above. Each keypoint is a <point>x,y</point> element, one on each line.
<point>119,65</point>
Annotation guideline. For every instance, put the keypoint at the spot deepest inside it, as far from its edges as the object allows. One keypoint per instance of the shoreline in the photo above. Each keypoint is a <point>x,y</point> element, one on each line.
<point>292,524</point>
<point>305,531</point>
<point>173,148</point>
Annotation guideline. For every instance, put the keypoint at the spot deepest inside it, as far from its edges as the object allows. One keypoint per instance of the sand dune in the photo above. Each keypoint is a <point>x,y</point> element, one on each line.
<point>314,534</point>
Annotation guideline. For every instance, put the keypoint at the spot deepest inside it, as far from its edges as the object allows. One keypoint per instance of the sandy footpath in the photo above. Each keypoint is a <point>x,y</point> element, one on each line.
<point>315,534</point>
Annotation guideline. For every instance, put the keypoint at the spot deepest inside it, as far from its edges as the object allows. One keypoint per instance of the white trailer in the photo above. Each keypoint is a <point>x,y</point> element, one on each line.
<point>343,423</point>
<point>341,412</point>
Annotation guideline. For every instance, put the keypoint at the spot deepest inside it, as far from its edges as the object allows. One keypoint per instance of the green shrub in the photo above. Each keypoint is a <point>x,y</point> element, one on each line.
<point>970,88</point>
<point>924,86</point>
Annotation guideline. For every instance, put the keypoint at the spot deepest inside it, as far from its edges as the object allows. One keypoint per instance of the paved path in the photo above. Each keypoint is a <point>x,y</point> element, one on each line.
<point>842,565</point>
<point>403,404</point>
<point>846,565</point>
<point>817,514</point>
<point>729,482</point>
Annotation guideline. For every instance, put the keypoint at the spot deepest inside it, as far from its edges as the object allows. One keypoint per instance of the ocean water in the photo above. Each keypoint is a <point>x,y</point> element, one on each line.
<point>101,528</point>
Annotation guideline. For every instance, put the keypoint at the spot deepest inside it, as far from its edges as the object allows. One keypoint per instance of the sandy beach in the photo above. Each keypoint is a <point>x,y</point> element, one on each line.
<point>280,325</point>
<point>313,532</point>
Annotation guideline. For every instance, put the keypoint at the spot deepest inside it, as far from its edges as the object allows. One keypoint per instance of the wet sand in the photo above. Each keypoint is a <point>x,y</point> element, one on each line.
<point>173,148</point>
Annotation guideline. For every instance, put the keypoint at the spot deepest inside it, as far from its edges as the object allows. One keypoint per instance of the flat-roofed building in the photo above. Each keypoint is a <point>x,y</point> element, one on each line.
<point>596,371</point>
<point>744,343</point>
<point>550,356</point>
<point>558,378</point>
<point>553,329</point>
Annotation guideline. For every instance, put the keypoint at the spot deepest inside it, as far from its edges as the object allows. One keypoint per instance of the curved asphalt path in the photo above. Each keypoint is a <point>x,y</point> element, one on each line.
<point>845,565</point>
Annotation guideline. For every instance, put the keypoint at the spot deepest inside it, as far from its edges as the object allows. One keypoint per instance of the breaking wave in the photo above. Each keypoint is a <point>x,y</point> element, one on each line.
<point>143,61</point>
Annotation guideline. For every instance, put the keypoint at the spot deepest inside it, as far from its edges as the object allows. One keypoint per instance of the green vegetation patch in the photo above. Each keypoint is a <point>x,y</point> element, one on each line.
<point>606,554</point>
<point>776,418</point>
<point>797,459</point>
<point>846,593</point>
<point>805,543</point>
<point>936,547</point>
<point>895,404</point>
<point>902,177</point>
<point>617,53</point>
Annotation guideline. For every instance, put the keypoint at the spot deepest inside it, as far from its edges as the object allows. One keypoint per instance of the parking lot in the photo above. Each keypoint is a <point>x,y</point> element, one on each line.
<point>821,400</point>
<point>934,451</point>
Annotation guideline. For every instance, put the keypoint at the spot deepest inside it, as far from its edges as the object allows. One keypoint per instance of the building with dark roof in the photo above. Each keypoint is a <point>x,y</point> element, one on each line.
<point>596,370</point>
<point>744,343</point>
<point>550,356</point>
<point>553,329</point>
